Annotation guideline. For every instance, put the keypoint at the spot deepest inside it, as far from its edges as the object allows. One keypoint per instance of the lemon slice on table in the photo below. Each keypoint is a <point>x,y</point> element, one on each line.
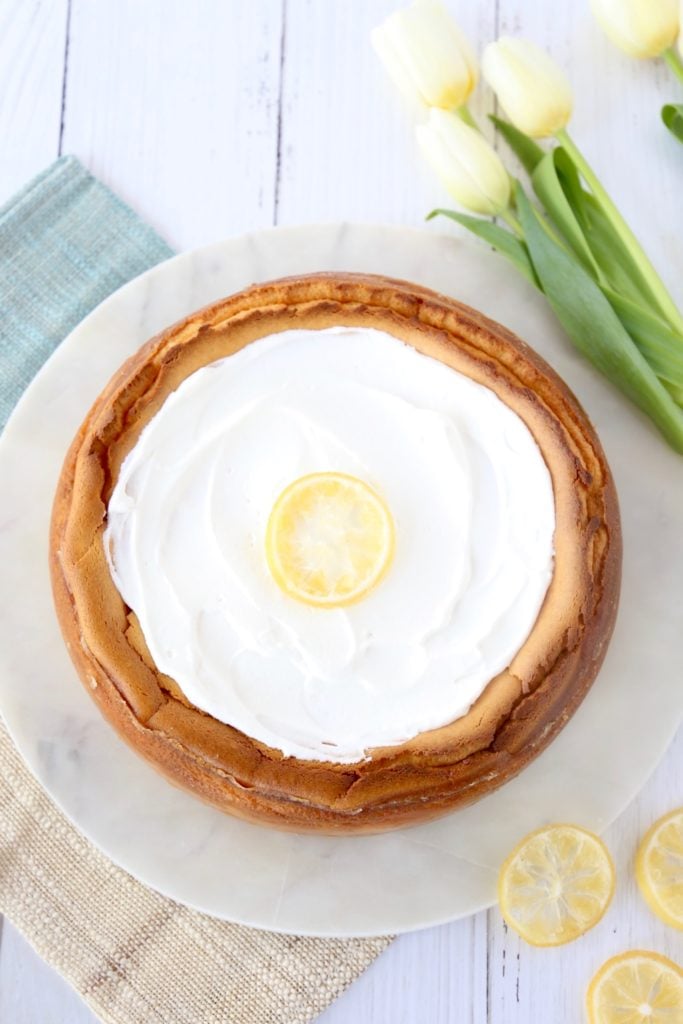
<point>329,540</point>
<point>556,884</point>
<point>659,868</point>
<point>637,987</point>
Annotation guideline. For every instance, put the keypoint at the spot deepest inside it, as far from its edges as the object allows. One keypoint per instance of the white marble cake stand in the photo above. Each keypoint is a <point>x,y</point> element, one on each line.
<point>329,886</point>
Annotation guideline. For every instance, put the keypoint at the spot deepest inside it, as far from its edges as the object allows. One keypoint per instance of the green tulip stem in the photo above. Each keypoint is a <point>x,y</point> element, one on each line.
<point>648,273</point>
<point>508,216</point>
<point>674,61</point>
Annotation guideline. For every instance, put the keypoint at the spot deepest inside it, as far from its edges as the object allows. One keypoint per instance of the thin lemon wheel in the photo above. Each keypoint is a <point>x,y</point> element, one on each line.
<point>637,987</point>
<point>329,540</point>
<point>556,884</point>
<point>659,868</point>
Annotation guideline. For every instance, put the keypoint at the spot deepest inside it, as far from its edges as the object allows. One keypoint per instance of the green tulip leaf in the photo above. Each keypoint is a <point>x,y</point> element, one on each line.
<point>613,257</point>
<point>659,343</point>
<point>594,327</point>
<point>528,152</point>
<point>503,241</point>
<point>661,346</point>
<point>621,249</point>
<point>548,188</point>
<point>672,116</point>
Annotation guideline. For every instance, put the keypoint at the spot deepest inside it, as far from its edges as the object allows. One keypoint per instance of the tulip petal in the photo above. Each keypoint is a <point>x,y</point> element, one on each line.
<point>468,166</point>
<point>530,86</point>
<point>641,28</point>
<point>427,56</point>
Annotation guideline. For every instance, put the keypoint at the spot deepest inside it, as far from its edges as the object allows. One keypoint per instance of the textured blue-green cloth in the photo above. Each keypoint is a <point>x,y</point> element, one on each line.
<point>66,243</point>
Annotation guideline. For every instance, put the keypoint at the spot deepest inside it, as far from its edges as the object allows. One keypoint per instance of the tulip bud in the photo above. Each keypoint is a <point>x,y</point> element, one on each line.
<point>531,88</point>
<point>464,161</point>
<point>641,28</point>
<point>426,55</point>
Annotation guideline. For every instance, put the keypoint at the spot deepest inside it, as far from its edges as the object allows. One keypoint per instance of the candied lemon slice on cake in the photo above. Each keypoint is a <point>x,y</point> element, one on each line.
<point>556,884</point>
<point>659,868</point>
<point>329,540</point>
<point>637,987</point>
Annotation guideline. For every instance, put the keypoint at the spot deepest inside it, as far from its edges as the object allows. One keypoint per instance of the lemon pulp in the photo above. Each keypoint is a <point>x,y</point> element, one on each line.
<point>556,884</point>
<point>329,539</point>
<point>638,987</point>
<point>659,868</point>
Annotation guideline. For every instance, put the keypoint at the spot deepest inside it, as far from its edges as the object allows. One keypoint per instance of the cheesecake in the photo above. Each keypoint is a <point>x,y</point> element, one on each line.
<point>336,553</point>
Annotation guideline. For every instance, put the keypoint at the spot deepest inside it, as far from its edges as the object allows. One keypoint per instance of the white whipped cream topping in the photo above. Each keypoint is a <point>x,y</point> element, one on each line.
<point>472,503</point>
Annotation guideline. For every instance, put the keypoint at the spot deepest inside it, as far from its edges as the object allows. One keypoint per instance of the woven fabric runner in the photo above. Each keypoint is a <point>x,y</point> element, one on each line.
<point>66,242</point>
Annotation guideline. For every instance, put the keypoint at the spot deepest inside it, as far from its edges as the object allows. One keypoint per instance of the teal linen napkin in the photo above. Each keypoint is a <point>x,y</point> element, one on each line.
<point>66,243</point>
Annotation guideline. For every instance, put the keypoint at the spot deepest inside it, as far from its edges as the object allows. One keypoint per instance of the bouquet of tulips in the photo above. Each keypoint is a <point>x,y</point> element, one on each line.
<point>571,243</point>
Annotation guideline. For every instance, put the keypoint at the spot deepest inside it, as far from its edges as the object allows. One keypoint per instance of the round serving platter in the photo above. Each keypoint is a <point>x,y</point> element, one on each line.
<point>321,885</point>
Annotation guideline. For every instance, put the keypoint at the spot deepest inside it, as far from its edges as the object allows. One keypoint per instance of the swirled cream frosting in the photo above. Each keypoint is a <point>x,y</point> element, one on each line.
<point>471,502</point>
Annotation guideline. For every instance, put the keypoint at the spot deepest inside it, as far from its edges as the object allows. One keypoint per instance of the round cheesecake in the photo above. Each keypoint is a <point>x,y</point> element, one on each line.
<point>336,553</point>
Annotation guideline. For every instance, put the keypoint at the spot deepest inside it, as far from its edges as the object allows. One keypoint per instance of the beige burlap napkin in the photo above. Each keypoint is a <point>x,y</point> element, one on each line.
<point>137,957</point>
<point>66,242</point>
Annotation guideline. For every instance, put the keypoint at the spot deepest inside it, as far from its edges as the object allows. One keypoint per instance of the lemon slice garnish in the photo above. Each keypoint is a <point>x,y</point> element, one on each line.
<point>556,884</point>
<point>330,539</point>
<point>636,987</point>
<point>659,868</point>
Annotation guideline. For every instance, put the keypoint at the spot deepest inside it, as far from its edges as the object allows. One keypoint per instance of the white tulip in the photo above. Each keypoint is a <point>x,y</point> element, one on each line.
<point>531,88</point>
<point>464,161</point>
<point>427,55</point>
<point>641,28</point>
<point>680,31</point>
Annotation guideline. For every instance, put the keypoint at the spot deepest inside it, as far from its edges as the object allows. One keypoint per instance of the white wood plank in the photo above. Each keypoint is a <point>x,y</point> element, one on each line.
<point>437,976</point>
<point>347,147</point>
<point>32,48</point>
<point>30,991</point>
<point>174,105</point>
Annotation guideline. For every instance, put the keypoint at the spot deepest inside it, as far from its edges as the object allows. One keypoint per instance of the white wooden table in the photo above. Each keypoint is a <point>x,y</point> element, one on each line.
<point>212,117</point>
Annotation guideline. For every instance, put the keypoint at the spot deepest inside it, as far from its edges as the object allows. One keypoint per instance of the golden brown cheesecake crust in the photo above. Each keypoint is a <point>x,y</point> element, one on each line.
<point>519,712</point>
